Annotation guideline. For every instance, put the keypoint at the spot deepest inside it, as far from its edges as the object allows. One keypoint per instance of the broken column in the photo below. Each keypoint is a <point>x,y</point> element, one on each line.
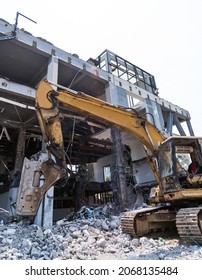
<point>44,216</point>
<point>13,192</point>
<point>119,184</point>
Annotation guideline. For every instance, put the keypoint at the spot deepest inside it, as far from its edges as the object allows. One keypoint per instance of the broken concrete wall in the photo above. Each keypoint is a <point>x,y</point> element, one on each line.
<point>98,175</point>
<point>4,181</point>
<point>141,168</point>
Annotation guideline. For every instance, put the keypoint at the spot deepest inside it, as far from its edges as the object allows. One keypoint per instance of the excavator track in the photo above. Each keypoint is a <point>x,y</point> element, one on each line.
<point>189,224</point>
<point>146,220</point>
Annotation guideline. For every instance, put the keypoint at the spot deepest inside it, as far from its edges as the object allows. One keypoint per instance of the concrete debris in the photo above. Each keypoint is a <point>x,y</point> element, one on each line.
<point>4,215</point>
<point>93,212</point>
<point>88,238</point>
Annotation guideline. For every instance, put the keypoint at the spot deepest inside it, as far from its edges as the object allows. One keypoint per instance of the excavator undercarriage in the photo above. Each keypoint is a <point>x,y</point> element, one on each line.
<point>146,220</point>
<point>187,222</point>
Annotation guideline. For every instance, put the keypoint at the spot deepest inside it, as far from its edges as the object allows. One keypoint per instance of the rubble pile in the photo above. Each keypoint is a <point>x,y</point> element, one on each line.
<point>92,235</point>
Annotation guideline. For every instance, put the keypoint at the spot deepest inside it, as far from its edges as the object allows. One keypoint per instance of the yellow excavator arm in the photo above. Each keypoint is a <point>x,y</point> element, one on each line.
<point>48,103</point>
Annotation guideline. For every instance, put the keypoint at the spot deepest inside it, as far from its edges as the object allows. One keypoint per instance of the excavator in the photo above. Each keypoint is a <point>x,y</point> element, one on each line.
<point>175,201</point>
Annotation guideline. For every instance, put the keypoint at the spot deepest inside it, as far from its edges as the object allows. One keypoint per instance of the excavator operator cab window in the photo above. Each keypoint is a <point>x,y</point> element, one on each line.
<point>188,164</point>
<point>189,158</point>
<point>183,159</point>
<point>175,159</point>
<point>166,167</point>
<point>165,161</point>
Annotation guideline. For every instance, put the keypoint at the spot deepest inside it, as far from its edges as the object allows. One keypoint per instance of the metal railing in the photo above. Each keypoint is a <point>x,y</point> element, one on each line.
<point>124,69</point>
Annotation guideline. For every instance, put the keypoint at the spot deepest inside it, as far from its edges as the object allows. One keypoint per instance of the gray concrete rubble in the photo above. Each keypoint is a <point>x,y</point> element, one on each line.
<point>88,237</point>
<point>4,215</point>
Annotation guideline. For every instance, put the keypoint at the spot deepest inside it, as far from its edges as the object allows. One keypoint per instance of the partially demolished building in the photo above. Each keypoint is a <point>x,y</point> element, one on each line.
<point>105,161</point>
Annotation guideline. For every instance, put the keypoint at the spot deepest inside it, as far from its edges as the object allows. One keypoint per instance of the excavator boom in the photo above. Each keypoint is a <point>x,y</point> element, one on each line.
<point>48,102</point>
<point>47,99</point>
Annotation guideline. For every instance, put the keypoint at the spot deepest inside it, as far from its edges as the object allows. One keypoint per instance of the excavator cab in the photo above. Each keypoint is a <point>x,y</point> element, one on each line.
<point>180,164</point>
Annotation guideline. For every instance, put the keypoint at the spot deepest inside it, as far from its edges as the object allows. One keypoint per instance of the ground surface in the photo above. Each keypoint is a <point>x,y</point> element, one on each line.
<point>89,239</point>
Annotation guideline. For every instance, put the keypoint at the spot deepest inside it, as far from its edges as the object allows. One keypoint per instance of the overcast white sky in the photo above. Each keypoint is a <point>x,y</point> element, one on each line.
<point>164,37</point>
